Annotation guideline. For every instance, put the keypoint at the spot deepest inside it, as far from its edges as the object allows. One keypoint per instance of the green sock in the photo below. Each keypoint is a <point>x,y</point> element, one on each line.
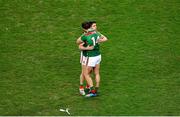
<point>91,88</point>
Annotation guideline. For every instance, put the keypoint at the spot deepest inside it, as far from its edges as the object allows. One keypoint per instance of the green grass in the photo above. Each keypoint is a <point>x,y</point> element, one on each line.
<point>39,60</point>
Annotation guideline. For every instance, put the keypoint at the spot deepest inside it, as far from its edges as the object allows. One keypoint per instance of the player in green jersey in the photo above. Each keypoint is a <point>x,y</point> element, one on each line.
<point>101,39</point>
<point>92,58</point>
<point>83,47</point>
<point>96,69</point>
<point>89,38</point>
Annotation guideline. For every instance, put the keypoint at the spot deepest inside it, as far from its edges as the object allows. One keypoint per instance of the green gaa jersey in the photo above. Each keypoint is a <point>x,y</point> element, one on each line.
<point>90,38</point>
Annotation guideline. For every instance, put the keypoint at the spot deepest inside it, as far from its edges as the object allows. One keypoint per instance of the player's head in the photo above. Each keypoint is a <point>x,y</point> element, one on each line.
<point>93,25</point>
<point>86,25</point>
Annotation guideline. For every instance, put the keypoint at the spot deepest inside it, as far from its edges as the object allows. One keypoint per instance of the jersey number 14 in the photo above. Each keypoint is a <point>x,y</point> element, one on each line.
<point>95,40</point>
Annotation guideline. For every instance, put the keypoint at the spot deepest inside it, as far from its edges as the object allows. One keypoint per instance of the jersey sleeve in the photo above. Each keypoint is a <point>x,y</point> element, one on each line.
<point>83,38</point>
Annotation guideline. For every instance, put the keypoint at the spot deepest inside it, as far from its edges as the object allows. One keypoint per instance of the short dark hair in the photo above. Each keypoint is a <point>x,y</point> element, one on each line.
<point>86,25</point>
<point>92,22</point>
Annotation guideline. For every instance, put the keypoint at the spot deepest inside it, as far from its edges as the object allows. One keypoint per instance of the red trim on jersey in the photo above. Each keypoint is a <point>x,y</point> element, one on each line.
<point>89,33</point>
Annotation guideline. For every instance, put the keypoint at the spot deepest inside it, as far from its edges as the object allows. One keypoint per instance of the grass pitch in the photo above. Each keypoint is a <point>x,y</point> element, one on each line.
<point>39,60</point>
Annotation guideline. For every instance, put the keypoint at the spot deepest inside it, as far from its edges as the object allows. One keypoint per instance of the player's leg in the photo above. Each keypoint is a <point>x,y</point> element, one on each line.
<point>92,92</point>
<point>87,76</point>
<point>97,72</point>
<point>81,87</point>
<point>97,76</point>
<point>82,78</point>
<point>87,87</point>
<point>89,67</point>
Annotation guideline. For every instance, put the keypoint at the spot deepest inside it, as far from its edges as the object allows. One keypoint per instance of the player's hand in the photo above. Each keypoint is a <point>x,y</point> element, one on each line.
<point>102,39</point>
<point>81,44</point>
<point>90,47</point>
<point>81,47</point>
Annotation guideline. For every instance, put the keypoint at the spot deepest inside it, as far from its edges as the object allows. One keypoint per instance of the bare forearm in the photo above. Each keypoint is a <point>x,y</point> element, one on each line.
<point>79,41</point>
<point>102,39</point>
<point>81,47</point>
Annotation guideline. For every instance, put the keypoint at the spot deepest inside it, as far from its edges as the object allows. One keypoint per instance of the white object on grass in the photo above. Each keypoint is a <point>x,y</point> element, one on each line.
<point>67,110</point>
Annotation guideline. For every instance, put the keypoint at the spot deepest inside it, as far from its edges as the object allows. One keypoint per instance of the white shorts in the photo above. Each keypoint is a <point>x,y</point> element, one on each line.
<point>90,61</point>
